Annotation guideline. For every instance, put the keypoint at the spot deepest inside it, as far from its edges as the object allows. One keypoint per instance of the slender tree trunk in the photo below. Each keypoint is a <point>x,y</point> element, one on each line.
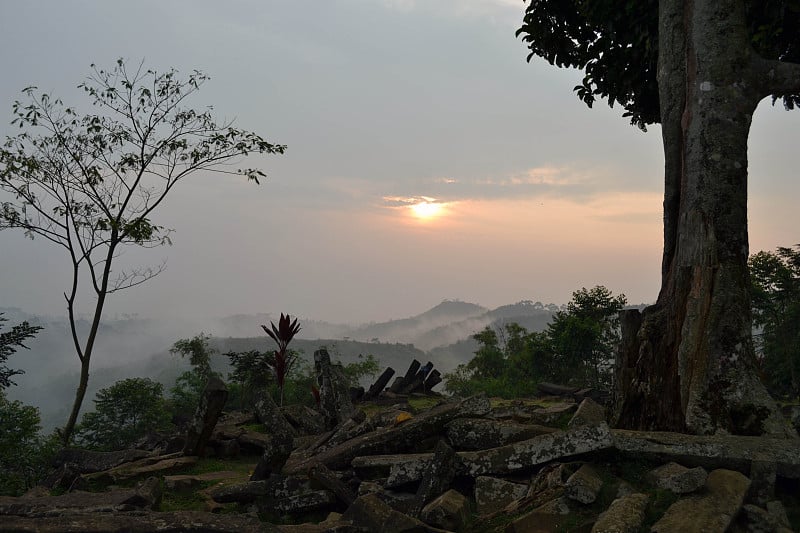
<point>86,356</point>
<point>688,364</point>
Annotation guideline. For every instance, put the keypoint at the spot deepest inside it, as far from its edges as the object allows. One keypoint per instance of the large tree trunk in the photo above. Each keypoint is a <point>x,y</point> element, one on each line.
<point>687,364</point>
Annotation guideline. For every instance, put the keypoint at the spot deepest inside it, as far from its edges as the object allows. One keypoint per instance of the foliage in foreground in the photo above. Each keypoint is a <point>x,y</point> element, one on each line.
<point>25,454</point>
<point>9,342</point>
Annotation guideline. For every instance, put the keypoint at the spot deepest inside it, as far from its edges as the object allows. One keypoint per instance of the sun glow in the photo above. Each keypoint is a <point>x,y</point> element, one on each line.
<point>426,210</point>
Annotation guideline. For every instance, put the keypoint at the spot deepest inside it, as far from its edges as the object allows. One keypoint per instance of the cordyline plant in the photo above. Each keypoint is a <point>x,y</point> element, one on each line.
<point>283,359</point>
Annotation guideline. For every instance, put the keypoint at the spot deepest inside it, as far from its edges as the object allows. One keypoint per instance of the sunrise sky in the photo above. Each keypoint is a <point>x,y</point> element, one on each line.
<point>427,160</point>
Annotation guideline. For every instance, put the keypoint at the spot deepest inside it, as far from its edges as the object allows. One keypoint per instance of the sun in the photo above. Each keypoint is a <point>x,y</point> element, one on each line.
<point>427,210</point>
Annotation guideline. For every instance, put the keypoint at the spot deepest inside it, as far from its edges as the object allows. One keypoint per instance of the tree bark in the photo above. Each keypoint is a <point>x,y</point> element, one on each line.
<point>688,363</point>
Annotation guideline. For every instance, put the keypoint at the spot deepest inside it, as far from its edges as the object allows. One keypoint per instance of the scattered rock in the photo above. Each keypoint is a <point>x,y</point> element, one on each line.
<point>305,420</point>
<point>493,494</point>
<point>372,514</point>
<point>143,467</point>
<point>678,478</point>
<point>589,413</point>
<point>449,511</point>
<point>624,515</point>
<point>403,437</point>
<point>712,510</point>
<point>584,485</point>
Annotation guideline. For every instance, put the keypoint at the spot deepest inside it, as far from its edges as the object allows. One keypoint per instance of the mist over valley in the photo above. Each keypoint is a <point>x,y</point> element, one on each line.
<point>135,346</point>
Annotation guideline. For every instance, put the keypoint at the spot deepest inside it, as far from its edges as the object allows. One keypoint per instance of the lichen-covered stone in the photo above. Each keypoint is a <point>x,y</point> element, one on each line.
<point>334,390</point>
<point>536,451</point>
<point>212,400</point>
<point>493,494</point>
<point>712,510</point>
<point>678,478</point>
<point>303,502</point>
<point>624,515</point>
<point>584,485</point>
<point>437,477</point>
<point>481,434</point>
<point>711,451</point>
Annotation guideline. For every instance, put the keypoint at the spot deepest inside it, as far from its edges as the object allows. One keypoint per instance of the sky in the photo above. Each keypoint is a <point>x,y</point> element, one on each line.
<point>426,160</point>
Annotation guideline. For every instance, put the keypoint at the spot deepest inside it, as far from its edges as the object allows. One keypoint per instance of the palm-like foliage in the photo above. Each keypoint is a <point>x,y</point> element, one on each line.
<point>283,358</point>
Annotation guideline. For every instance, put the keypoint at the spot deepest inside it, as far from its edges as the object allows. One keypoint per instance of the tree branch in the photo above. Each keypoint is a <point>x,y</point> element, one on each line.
<point>779,78</point>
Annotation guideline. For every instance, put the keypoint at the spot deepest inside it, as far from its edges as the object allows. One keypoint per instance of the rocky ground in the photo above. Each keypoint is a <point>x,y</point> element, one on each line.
<point>418,463</point>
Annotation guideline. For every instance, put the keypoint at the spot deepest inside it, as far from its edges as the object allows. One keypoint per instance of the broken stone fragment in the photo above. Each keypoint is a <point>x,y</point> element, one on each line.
<point>402,381</point>
<point>760,520</point>
<point>159,465</point>
<point>763,475</point>
<point>334,390</point>
<point>269,414</point>
<point>678,478</point>
<point>584,485</point>
<point>711,510</point>
<point>371,513</point>
<point>403,437</point>
<point>305,420</point>
<point>246,492</point>
<point>493,494</point>
<point>437,477</point>
<point>303,502</point>
<point>212,400</point>
<point>379,384</point>
<point>328,480</point>
<point>589,413</point>
<point>624,515</point>
<point>410,470</point>
<point>449,511</point>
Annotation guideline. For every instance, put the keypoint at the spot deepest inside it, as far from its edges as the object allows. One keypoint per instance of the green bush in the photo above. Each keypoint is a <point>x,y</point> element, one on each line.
<point>124,412</point>
<point>25,454</point>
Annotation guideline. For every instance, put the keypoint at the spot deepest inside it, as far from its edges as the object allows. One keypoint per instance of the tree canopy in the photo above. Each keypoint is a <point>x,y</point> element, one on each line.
<point>615,43</point>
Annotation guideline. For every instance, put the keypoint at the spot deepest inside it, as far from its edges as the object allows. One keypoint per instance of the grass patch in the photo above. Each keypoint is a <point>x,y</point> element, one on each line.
<point>238,464</point>
<point>186,500</point>
<point>256,427</point>
<point>423,403</point>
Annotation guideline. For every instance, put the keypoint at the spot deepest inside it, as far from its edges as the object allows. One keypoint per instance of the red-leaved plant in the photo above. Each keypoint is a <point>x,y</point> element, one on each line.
<point>283,359</point>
